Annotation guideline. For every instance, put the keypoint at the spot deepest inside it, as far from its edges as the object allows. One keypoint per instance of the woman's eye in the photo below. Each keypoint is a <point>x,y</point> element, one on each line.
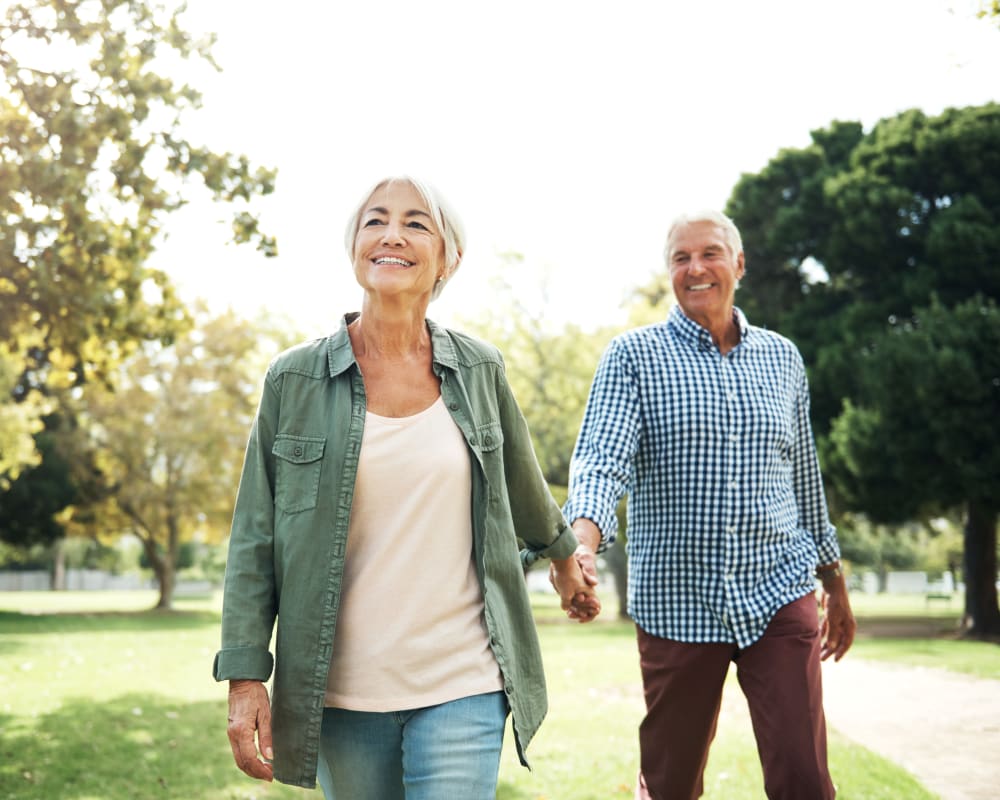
<point>372,222</point>
<point>415,224</point>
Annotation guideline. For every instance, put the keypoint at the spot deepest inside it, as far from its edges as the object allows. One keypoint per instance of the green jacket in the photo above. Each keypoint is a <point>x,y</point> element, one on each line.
<point>289,533</point>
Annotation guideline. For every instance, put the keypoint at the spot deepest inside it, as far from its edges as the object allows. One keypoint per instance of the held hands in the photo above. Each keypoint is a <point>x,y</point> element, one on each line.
<point>249,714</point>
<point>575,578</point>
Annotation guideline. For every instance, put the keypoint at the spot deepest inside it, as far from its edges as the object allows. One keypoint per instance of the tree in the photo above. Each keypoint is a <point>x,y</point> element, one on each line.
<point>926,417</point>
<point>878,254</point>
<point>92,161</point>
<point>168,442</point>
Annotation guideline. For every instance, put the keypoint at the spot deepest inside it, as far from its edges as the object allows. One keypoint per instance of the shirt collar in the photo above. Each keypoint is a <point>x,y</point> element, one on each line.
<point>340,354</point>
<point>686,329</point>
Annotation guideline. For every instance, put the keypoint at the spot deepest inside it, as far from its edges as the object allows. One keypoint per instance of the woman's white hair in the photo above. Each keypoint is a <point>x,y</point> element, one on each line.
<point>448,222</point>
<point>729,229</point>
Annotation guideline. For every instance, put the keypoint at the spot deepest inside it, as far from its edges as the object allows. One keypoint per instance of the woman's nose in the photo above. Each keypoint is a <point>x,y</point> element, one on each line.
<point>392,233</point>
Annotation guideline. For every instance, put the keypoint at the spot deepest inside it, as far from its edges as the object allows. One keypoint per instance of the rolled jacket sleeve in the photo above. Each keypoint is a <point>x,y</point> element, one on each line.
<point>536,515</point>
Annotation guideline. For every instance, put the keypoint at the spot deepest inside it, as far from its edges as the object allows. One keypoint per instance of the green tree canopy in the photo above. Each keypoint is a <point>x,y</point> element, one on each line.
<point>879,254</point>
<point>93,158</point>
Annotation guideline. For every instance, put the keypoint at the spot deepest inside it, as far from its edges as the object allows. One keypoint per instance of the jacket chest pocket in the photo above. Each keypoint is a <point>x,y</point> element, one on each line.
<point>487,441</point>
<point>298,465</point>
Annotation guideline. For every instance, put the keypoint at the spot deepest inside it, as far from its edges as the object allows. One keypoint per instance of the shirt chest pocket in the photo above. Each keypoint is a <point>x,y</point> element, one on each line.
<point>298,465</point>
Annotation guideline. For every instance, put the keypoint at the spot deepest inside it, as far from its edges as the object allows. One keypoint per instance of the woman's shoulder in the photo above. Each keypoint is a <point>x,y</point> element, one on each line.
<point>466,349</point>
<point>310,357</point>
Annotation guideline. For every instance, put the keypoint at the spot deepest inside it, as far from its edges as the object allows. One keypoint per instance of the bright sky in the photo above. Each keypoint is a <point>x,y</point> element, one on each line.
<point>570,132</point>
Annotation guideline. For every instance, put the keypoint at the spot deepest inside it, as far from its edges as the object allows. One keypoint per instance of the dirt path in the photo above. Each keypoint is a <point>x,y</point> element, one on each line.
<point>942,727</point>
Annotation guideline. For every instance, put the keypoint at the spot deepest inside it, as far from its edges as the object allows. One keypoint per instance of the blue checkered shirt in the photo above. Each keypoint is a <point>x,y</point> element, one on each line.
<point>727,519</point>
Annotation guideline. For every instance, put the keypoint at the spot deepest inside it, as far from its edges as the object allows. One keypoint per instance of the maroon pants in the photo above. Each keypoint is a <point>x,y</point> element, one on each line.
<point>780,676</point>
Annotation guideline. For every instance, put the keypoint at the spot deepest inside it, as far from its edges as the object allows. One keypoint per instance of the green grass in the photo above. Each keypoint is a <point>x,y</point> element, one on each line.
<point>101,700</point>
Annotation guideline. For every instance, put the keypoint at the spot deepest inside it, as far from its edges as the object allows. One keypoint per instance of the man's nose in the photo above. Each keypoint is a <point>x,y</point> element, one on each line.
<point>696,265</point>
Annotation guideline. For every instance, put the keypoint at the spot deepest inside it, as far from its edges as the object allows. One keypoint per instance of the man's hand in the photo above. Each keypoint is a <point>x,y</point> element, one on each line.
<point>838,626</point>
<point>250,715</point>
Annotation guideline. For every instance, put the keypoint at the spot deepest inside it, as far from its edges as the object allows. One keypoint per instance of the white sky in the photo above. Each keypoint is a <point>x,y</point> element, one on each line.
<point>571,132</point>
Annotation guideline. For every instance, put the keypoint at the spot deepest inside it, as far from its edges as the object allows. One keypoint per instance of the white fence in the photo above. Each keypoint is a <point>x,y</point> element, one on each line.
<point>91,580</point>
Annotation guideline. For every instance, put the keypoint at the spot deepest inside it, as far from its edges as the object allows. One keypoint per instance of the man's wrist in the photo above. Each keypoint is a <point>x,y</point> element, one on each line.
<point>829,569</point>
<point>830,574</point>
<point>587,533</point>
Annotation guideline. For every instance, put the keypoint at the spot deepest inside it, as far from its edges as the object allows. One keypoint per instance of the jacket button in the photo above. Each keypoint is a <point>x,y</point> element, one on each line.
<point>489,441</point>
<point>453,406</point>
<point>298,451</point>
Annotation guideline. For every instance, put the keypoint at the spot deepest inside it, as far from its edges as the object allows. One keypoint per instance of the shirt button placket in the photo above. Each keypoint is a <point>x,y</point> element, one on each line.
<point>732,461</point>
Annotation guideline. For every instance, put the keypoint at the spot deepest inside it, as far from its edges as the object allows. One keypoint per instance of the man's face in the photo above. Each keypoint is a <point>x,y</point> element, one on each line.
<point>703,272</point>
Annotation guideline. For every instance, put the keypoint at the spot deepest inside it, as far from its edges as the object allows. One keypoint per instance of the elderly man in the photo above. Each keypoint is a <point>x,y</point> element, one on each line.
<point>704,421</point>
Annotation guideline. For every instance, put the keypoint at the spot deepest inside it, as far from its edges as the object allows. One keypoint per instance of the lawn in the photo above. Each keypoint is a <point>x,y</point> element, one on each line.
<point>102,700</point>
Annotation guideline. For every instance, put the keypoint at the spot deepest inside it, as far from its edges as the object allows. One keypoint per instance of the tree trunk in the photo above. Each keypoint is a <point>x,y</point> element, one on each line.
<point>163,569</point>
<point>166,576</point>
<point>58,566</point>
<point>982,615</point>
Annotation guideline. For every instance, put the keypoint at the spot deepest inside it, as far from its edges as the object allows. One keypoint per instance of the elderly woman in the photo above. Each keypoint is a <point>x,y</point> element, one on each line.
<point>388,477</point>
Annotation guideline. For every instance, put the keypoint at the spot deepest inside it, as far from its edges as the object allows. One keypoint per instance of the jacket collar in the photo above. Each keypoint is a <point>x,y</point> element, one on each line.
<point>340,354</point>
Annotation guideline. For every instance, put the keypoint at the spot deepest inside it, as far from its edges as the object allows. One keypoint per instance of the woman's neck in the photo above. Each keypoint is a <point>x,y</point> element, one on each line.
<point>385,330</point>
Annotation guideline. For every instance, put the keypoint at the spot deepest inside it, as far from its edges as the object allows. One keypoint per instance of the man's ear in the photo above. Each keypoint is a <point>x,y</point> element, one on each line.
<point>741,261</point>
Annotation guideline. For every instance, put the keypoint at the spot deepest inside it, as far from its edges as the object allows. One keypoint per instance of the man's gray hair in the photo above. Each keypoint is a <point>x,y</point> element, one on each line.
<point>448,222</point>
<point>729,229</point>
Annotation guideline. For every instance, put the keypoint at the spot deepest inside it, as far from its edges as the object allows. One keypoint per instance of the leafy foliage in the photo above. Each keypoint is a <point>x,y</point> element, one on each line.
<point>878,254</point>
<point>167,443</point>
<point>549,368</point>
<point>92,160</point>
<point>29,506</point>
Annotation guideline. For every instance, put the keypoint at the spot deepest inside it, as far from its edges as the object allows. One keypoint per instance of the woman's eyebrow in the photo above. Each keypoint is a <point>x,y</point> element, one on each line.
<point>413,212</point>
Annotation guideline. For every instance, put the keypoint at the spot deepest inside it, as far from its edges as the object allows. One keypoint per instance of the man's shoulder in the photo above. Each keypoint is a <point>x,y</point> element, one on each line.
<point>639,339</point>
<point>767,339</point>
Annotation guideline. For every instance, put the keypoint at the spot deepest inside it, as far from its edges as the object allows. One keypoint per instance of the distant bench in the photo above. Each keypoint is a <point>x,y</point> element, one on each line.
<point>938,595</point>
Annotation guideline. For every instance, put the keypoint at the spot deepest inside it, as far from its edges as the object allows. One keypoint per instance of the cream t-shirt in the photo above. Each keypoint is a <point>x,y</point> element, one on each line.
<point>410,631</point>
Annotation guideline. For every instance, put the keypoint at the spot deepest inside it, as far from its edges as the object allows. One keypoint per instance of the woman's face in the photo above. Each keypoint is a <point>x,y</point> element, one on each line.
<point>398,249</point>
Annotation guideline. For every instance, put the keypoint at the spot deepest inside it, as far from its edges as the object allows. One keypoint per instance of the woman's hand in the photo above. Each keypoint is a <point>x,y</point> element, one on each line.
<point>575,578</point>
<point>250,717</point>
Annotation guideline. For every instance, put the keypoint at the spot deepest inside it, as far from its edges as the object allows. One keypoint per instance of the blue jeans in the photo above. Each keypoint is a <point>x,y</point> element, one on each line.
<point>445,752</point>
